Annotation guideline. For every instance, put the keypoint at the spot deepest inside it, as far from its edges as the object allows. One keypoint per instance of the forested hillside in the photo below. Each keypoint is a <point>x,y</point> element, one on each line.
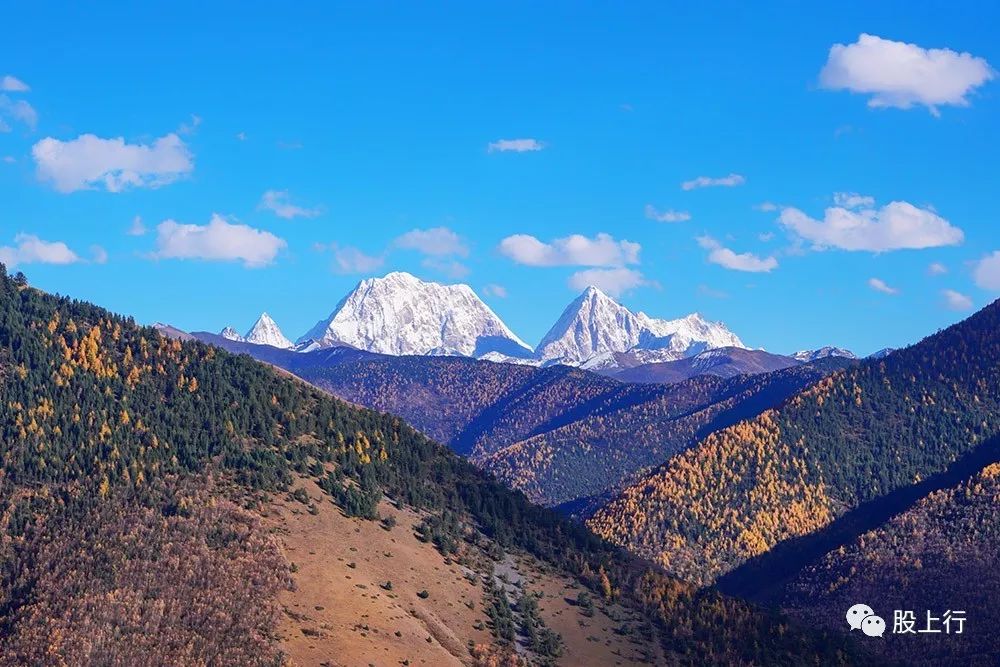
<point>117,444</point>
<point>941,555</point>
<point>472,406</point>
<point>854,436</point>
<point>635,429</point>
<point>559,434</point>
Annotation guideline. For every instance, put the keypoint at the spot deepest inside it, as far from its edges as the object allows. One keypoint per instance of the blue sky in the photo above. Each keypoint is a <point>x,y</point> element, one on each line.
<point>375,122</point>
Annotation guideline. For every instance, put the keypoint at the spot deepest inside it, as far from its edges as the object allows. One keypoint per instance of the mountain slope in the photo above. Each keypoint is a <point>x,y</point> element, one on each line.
<point>102,413</point>
<point>939,555</point>
<point>854,436</point>
<point>634,429</point>
<point>402,315</point>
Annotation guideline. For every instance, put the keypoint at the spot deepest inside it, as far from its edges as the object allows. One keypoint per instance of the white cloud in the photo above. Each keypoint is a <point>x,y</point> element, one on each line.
<point>986,272</point>
<point>89,162</point>
<point>956,300</point>
<point>99,254</point>
<point>896,226</point>
<point>348,259</point>
<point>18,110</point>
<point>613,281</point>
<point>897,74</point>
<point>515,146</point>
<point>241,136</point>
<point>137,228</point>
<point>766,206</point>
<point>852,200</point>
<point>669,215</point>
<point>9,159</point>
<point>765,236</point>
<point>718,254</point>
<point>937,269</point>
<point>437,242</point>
<point>493,289</point>
<point>879,285</point>
<point>729,181</point>
<point>29,249</point>
<point>219,240</point>
<point>278,203</point>
<point>13,84</point>
<point>575,250</point>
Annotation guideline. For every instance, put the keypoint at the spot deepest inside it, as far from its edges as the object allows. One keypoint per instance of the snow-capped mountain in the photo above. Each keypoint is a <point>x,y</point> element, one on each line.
<point>401,314</point>
<point>591,325</point>
<point>822,353</point>
<point>230,333</point>
<point>594,328</point>
<point>266,332</point>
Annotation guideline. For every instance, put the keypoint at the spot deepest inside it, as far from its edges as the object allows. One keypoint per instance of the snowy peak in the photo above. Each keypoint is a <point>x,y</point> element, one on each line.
<point>593,324</point>
<point>230,333</point>
<point>595,327</point>
<point>265,331</point>
<point>401,314</point>
<point>687,335</point>
<point>822,353</point>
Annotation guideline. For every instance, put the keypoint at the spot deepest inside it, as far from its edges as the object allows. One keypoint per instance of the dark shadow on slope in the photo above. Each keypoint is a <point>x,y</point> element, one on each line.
<point>763,578</point>
<point>536,386</point>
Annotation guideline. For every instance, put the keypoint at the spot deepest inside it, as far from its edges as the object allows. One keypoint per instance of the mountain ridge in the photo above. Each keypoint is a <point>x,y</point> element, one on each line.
<point>400,314</point>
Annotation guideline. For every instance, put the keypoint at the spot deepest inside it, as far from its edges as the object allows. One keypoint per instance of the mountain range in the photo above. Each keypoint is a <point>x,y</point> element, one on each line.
<point>144,469</point>
<point>163,497</point>
<point>856,436</point>
<point>804,482</point>
<point>399,314</point>
<point>562,435</point>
